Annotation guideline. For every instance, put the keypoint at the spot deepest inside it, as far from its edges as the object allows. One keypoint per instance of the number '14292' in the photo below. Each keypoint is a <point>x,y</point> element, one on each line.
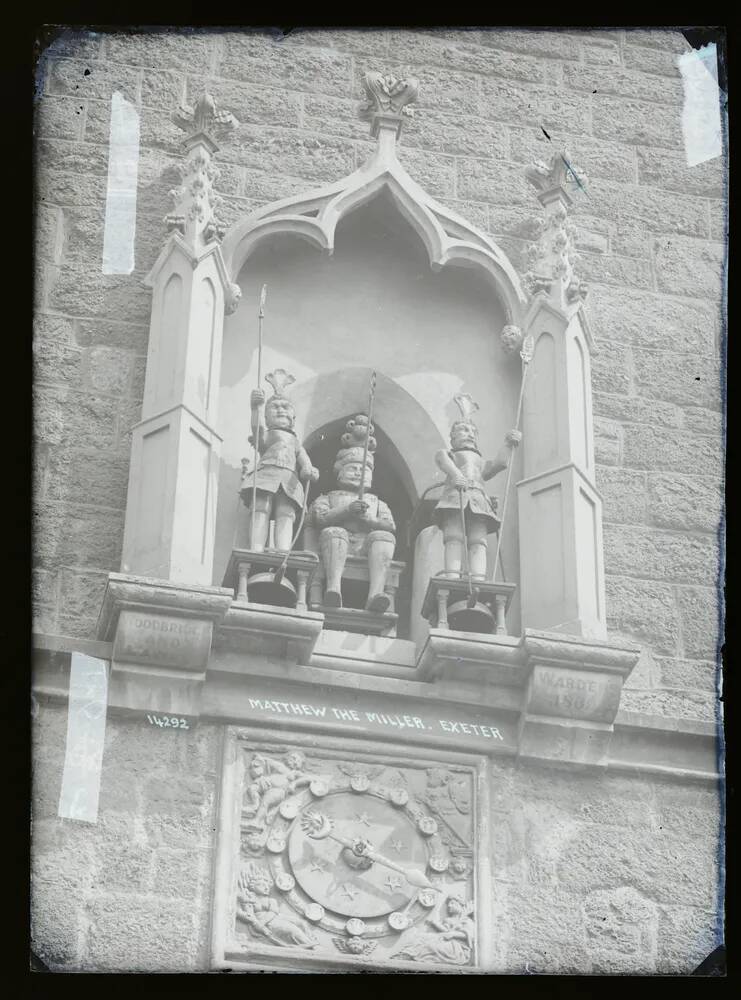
<point>168,721</point>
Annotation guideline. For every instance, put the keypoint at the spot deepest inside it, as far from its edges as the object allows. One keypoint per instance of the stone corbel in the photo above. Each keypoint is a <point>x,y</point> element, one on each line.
<point>572,697</point>
<point>161,634</point>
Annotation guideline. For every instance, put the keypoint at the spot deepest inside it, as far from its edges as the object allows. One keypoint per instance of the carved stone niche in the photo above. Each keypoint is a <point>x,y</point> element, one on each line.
<point>331,857</point>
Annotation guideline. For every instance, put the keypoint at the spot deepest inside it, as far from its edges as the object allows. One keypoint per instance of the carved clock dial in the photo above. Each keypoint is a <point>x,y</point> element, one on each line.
<point>355,859</point>
<point>339,871</point>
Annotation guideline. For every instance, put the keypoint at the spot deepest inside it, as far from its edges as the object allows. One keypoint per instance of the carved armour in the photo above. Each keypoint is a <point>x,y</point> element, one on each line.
<point>358,535</point>
<point>475,498</point>
<point>276,470</point>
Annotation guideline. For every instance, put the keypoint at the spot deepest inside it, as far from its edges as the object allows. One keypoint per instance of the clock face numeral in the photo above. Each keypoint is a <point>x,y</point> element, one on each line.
<point>314,912</point>
<point>288,810</point>
<point>427,826</point>
<point>438,863</point>
<point>359,783</point>
<point>285,882</point>
<point>399,921</point>
<point>399,796</point>
<point>355,926</point>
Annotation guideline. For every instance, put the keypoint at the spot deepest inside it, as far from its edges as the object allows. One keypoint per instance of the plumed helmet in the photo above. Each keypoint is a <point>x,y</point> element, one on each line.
<point>353,443</point>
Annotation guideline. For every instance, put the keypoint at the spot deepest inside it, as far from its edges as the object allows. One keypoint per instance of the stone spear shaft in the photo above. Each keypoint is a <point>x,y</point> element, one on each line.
<point>371,395</point>
<point>256,425</point>
<point>526,354</point>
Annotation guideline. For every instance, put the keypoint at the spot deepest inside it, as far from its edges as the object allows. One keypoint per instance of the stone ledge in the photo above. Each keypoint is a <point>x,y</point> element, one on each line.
<point>473,656</point>
<point>675,749</point>
<point>586,654</point>
<point>277,632</point>
<point>144,594</point>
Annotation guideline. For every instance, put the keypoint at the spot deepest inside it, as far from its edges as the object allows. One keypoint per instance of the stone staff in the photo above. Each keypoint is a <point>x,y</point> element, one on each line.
<point>371,395</point>
<point>256,419</point>
<point>526,354</point>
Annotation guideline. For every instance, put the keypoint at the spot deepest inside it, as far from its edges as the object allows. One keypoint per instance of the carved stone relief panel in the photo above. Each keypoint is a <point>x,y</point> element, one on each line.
<point>333,857</point>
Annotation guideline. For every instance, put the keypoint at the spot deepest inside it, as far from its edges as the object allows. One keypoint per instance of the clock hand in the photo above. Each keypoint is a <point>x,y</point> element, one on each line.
<point>412,875</point>
<point>318,826</point>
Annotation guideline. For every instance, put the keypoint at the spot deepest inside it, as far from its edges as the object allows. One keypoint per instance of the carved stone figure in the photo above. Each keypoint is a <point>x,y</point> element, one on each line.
<point>272,781</point>
<point>447,793</point>
<point>467,471</point>
<point>352,526</point>
<point>257,908</point>
<point>283,468</point>
<point>354,945</point>
<point>451,939</point>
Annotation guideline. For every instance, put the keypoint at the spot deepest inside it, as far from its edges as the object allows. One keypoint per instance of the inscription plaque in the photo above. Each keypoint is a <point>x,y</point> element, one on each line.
<point>162,640</point>
<point>372,714</point>
<point>574,694</point>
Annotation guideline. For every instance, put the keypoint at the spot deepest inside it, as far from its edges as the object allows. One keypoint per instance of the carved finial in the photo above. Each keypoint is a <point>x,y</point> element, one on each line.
<point>557,177</point>
<point>551,260</point>
<point>280,379</point>
<point>195,201</point>
<point>204,119</point>
<point>465,403</point>
<point>389,101</point>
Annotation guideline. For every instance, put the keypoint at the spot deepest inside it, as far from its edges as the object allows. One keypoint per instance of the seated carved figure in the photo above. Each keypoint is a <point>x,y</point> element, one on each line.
<point>349,525</point>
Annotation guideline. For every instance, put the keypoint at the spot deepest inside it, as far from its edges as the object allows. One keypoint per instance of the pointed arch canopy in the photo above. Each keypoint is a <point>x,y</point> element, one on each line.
<point>413,434</point>
<point>447,237</point>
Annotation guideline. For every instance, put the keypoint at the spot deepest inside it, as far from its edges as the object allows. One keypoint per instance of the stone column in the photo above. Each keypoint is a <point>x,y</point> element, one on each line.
<point>560,511</point>
<point>171,505</point>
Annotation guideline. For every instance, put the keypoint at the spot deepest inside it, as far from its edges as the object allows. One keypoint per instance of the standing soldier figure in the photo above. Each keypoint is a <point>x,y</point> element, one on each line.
<point>283,469</point>
<point>466,473</point>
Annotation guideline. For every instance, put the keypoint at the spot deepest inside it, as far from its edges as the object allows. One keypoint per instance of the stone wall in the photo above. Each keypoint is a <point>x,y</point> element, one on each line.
<point>592,874</point>
<point>132,891</point>
<point>600,874</point>
<point>651,238</point>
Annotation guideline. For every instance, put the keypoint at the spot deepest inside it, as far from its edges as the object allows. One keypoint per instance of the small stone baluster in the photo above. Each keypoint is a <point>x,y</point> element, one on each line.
<point>442,609</point>
<point>302,578</point>
<point>243,573</point>
<point>500,602</point>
